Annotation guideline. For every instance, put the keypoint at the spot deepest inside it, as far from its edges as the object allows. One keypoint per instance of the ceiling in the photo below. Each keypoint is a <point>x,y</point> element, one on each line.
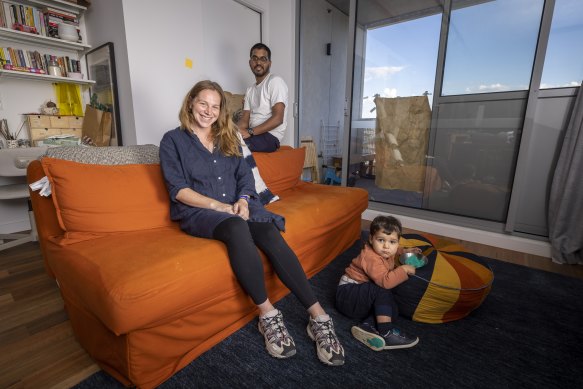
<point>372,13</point>
<point>381,12</point>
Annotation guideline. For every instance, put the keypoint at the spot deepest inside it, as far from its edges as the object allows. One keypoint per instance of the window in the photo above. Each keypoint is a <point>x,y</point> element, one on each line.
<point>397,44</point>
<point>564,60</point>
<point>400,60</point>
<point>491,46</point>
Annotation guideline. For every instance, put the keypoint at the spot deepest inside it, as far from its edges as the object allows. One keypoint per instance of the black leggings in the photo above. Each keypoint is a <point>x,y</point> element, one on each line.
<point>242,239</point>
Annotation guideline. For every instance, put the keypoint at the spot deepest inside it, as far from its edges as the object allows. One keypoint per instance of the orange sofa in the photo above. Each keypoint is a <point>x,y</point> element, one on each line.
<point>144,299</point>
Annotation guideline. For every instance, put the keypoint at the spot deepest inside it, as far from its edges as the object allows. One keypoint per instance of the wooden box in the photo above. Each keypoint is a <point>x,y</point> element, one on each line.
<point>41,127</point>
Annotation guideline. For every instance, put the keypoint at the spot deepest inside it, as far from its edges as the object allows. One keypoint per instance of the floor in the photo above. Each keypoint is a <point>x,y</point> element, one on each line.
<point>37,346</point>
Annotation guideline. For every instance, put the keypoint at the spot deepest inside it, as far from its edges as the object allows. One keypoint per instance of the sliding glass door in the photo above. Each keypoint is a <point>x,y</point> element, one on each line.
<point>444,110</point>
<point>395,65</point>
<point>439,97</point>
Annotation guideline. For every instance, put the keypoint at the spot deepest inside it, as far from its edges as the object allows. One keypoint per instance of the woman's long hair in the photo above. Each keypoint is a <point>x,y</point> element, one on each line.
<point>223,130</point>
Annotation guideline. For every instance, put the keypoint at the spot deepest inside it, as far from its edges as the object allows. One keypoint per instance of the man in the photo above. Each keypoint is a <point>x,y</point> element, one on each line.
<point>263,121</point>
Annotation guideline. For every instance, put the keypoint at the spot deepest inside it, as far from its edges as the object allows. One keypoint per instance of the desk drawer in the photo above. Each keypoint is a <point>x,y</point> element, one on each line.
<point>39,121</point>
<point>75,122</point>
<point>59,121</point>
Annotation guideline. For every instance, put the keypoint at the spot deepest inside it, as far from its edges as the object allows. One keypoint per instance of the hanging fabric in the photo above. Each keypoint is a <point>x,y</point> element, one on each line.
<point>565,205</point>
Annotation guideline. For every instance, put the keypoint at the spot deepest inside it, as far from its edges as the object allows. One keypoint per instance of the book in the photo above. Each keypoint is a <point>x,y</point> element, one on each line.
<point>36,62</point>
<point>4,58</point>
<point>2,17</point>
<point>24,69</point>
<point>60,12</point>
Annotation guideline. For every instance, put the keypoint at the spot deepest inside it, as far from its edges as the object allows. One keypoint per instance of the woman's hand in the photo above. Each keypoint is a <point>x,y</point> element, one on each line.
<point>222,207</point>
<point>241,208</point>
<point>195,199</point>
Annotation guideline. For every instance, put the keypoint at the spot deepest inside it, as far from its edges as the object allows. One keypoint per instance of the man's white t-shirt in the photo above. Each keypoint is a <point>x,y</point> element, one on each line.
<point>259,99</point>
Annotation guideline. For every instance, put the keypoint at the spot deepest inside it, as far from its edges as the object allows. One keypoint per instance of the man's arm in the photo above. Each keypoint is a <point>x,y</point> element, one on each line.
<point>243,124</point>
<point>276,119</point>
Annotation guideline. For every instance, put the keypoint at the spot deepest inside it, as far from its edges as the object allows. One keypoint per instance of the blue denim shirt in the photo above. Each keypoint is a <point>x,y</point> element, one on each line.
<point>186,163</point>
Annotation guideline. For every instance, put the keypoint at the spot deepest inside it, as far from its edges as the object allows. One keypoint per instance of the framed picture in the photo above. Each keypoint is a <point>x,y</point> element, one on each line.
<point>101,68</point>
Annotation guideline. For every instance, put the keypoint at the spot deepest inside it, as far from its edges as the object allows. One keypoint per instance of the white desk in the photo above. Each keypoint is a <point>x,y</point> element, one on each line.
<point>13,164</point>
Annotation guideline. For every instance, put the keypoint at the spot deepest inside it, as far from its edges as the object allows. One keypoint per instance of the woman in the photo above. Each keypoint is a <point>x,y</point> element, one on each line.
<point>213,196</point>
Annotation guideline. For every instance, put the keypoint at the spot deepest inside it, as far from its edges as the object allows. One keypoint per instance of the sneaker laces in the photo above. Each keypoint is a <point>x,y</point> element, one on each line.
<point>325,335</point>
<point>274,328</point>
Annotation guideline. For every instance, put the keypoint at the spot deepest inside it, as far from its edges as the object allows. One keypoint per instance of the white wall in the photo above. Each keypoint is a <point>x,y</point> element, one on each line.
<point>153,75</point>
<point>324,85</point>
<point>280,36</point>
<point>105,23</point>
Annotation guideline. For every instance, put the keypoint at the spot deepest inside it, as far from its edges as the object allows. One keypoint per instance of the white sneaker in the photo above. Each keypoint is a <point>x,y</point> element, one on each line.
<point>328,347</point>
<point>278,342</point>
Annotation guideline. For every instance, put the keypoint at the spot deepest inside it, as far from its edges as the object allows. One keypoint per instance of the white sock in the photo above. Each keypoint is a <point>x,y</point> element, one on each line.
<point>322,318</point>
<point>271,313</point>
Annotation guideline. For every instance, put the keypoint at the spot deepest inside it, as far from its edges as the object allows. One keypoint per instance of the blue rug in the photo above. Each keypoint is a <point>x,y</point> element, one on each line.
<point>527,334</point>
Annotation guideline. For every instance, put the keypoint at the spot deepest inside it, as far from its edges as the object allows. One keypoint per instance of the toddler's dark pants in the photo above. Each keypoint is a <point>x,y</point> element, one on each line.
<point>359,301</point>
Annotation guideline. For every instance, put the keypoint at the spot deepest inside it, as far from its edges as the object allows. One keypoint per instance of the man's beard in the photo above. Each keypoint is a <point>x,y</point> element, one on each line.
<point>260,71</point>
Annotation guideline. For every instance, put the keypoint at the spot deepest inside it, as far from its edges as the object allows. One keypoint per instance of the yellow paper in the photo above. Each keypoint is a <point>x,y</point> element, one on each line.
<point>188,63</point>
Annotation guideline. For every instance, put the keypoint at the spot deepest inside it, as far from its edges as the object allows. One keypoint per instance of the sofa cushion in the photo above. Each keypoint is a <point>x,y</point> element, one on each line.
<point>110,155</point>
<point>282,169</point>
<point>107,198</point>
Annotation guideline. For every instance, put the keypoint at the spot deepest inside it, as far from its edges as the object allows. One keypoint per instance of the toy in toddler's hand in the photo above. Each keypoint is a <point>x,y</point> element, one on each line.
<point>413,258</point>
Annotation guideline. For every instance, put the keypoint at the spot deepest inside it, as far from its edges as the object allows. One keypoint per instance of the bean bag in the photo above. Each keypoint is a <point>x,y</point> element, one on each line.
<point>452,284</point>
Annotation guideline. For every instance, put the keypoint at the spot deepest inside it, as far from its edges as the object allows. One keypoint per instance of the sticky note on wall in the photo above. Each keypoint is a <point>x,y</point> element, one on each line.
<point>188,63</point>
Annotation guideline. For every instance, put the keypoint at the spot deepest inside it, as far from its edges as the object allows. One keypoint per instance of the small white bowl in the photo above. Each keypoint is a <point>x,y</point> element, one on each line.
<point>416,260</point>
<point>68,32</point>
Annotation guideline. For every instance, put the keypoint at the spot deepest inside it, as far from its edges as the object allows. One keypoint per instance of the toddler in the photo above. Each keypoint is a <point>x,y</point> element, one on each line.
<point>364,291</point>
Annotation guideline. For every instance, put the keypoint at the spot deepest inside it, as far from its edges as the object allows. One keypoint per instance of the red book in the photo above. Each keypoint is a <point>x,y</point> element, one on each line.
<point>24,69</point>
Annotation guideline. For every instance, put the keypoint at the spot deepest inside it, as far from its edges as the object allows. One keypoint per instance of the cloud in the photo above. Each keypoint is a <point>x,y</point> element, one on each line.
<point>492,88</point>
<point>389,92</point>
<point>381,71</point>
<point>488,88</point>
<point>566,85</point>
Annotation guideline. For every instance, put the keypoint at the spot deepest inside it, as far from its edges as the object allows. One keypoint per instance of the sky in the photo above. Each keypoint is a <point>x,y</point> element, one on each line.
<point>491,48</point>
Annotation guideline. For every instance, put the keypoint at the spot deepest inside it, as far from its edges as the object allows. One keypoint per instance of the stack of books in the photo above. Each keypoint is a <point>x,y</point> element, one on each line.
<point>35,62</point>
<point>34,20</point>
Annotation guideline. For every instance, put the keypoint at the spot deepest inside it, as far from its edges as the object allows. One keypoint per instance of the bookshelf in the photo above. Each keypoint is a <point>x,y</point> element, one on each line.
<point>61,4</point>
<point>21,40</point>
<point>41,77</point>
<point>25,37</point>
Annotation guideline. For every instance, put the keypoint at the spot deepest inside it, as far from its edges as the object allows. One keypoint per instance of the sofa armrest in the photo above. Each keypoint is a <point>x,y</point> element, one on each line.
<point>45,214</point>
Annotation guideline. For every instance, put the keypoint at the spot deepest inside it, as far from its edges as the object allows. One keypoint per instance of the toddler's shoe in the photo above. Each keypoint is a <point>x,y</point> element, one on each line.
<point>395,339</point>
<point>367,334</point>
